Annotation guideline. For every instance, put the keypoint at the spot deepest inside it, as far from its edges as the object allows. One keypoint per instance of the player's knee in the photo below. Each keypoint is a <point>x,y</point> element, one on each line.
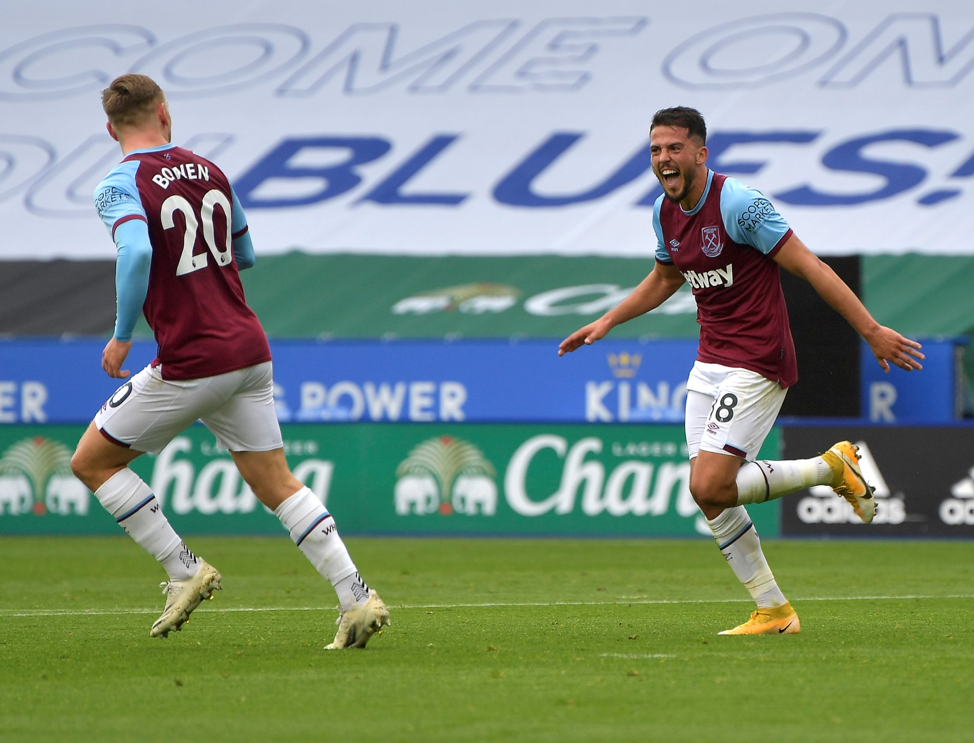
<point>710,492</point>
<point>81,467</point>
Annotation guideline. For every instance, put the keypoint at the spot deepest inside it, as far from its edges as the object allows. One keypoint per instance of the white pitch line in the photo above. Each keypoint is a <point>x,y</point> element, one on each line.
<point>636,656</point>
<point>526,604</point>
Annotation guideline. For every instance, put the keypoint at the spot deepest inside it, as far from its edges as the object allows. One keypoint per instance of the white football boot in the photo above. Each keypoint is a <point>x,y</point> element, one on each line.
<point>357,625</point>
<point>183,596</point>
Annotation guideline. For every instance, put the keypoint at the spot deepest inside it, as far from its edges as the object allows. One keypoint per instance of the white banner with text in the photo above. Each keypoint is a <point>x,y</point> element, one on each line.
<point>489,128</point>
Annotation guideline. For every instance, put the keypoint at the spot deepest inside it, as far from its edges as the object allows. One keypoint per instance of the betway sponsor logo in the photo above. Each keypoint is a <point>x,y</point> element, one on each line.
<point>207,482</point>
<point>823,506</point>
<point>720,277</point>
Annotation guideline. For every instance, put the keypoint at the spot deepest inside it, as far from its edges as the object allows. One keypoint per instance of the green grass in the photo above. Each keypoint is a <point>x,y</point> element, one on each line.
<point>492,640</point>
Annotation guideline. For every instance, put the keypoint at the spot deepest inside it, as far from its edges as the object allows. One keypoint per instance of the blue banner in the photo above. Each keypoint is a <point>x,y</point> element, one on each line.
<point>482,381</point>
<point>43,381</point>
<point>51,381</point>
<point>932,395</point>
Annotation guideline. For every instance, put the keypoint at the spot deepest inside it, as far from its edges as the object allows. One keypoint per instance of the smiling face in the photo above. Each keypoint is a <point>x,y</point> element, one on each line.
<point>679,161</point>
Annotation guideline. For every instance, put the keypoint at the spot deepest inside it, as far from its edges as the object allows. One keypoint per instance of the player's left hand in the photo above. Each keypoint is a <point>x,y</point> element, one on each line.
<point>114,356</point>
<point>888,346</point>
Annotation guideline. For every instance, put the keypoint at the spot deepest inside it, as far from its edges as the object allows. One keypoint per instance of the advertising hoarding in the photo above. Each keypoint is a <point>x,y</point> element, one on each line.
<point>474,381</point>
<point>436,479</point>
<point>50,381</point>
<point>500,128</point>
<point>923,478</point>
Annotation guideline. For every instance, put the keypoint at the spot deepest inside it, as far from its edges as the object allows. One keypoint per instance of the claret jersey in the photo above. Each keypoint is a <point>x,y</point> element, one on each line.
<point>724,248</point>
<point>195,301</point>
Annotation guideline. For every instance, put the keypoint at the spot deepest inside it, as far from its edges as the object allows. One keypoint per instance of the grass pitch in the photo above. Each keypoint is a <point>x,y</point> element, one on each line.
<point>491,640</point>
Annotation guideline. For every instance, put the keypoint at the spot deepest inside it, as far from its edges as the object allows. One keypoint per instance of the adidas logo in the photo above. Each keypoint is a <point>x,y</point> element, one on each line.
<point>964,488</point>
<point>959,510</point>
<point>823,506</point>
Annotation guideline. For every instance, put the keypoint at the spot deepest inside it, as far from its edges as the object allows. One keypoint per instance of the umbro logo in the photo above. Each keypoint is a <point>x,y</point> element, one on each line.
<point>674,244</point>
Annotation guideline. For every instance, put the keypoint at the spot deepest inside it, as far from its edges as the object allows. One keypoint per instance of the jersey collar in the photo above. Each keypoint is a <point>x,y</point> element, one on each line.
<point>160,148</point>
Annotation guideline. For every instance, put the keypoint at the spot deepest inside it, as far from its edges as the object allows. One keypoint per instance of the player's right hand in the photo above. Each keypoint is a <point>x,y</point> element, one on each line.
<point>583,337</point>
<point>114,356</point>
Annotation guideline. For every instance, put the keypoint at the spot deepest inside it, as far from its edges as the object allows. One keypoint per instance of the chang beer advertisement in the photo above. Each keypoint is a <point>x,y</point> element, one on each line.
<point>200,489</point>
<point>38,493</point>
<point>581,480</point>
<point>391,479</point>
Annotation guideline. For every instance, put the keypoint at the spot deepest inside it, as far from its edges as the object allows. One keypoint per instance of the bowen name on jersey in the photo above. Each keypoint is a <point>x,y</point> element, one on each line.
<point>183,171</point>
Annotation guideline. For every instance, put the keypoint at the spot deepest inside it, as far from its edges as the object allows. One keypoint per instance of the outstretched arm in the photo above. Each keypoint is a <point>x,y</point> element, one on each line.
<point>887,345</point>
<point>660,285</point>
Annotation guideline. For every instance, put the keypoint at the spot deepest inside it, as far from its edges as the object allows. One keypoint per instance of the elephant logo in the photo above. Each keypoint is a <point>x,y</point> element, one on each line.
<point>446,475</point>
<point>35,476</point>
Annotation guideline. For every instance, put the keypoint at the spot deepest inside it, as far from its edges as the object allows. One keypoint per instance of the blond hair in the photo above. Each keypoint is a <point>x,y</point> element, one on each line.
<point>130,100</point>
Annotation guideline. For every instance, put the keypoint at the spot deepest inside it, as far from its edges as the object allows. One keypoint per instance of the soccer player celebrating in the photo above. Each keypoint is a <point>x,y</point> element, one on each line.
<point>182,239</point>
<point>728,241</point>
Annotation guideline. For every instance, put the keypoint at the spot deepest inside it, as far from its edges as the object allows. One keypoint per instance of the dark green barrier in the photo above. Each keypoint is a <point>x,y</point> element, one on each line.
<point>584,480</point>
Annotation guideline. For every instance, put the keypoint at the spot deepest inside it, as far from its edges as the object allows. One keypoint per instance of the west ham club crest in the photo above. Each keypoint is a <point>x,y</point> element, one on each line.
<point>711,242</point>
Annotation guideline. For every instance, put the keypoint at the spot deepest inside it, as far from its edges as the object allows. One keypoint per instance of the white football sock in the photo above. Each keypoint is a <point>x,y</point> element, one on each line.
<point>762,481</point>
<point>135,508</point>
<point>352,591</point>
<point>314,532</point>
<point>739,543</point>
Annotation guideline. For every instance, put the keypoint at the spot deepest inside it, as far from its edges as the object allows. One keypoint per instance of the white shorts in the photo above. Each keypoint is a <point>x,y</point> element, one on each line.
<point>730,410</point>
<point>147,412</point>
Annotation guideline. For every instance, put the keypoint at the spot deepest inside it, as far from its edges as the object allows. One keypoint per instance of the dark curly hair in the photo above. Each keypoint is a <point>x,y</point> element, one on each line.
<point>683,117</point>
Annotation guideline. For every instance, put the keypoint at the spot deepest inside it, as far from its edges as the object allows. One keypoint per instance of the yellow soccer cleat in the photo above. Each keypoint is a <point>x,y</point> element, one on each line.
<point>847,479</point>
<point>781,620</point>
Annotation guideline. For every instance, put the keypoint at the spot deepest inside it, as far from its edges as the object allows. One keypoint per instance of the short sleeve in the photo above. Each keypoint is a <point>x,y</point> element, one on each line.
<point>750,219</point>
<point>662,254</point>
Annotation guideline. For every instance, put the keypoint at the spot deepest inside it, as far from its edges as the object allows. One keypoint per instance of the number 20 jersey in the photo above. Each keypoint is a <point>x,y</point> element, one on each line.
<point>195,302</point>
